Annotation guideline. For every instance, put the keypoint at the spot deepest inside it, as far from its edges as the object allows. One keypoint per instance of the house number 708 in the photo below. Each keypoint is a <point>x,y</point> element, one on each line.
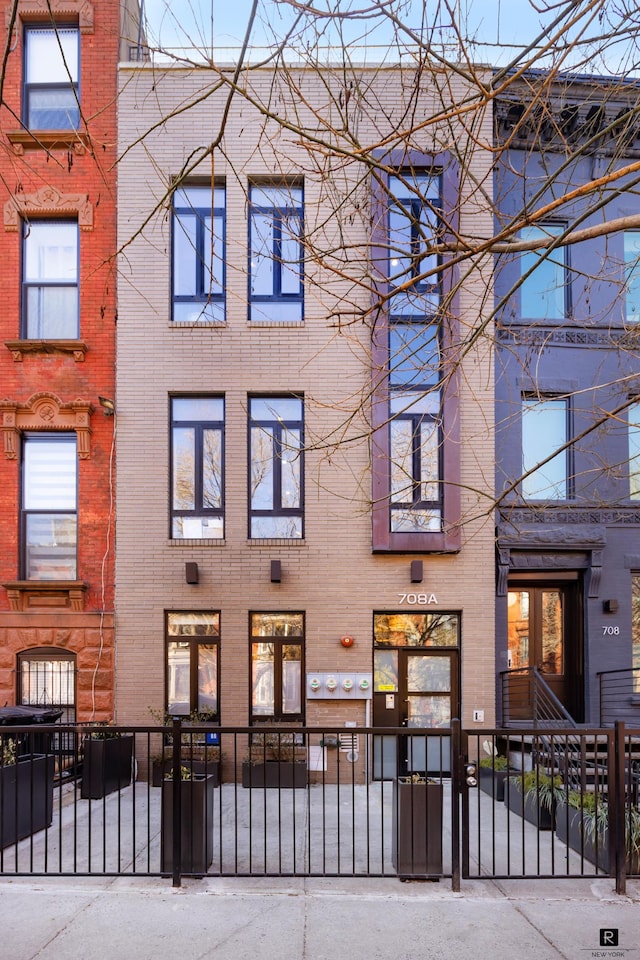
<point>610,631</point>
<point>418,598</point>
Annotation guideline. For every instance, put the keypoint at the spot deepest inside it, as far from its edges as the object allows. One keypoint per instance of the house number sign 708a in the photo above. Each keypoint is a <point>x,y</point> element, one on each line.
<point>422,598</point>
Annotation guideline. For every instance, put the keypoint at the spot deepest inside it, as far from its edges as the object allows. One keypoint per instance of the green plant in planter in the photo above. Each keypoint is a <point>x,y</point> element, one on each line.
<point>186,773</point>
<point>595,818</point>
<point>268,745</point>
<point>417,778</point>
<point>8,752</point>
<point>499,764</point>
<point>546,790</point>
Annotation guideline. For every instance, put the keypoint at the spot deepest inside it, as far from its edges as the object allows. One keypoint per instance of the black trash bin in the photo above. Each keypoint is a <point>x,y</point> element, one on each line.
<point>25,716</point>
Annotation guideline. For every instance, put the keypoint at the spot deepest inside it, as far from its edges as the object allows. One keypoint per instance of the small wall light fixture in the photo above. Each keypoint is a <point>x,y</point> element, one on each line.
<point>416,571</point>
<point>191,572</point>
<point>610,606</point>
<point>108,406</point>
<point>276,571</point>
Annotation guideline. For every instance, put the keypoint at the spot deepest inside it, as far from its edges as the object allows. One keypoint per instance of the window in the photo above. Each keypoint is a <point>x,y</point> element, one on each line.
<point>635,630</point>
<point>634,450</point>
<point>197,452</point>
<point>414,355</point>
<point>544,292</point>
<point>545,429</point>
<point>49,520</point>
<point>50,280</point>
<point>193,654</point>
<point>275,253</point>
<point>198,254</point>
<point>276,467</point>
<point>47,678</point>
<point>632,276</point>
<point>416,456</point>
<point>51,72</point>
<point>277,644</point>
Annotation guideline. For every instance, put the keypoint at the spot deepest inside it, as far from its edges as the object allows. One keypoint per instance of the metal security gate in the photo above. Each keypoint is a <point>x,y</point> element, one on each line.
<point>196,800</point>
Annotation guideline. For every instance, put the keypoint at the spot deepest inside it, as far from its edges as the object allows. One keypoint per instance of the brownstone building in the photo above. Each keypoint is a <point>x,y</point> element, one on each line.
<point>57,245</point>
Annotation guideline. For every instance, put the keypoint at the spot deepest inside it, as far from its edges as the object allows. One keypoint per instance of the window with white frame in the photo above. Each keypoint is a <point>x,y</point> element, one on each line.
<point>197,463</point>
<point>545,455</point>
<point>276,467</point>
<point>632,276</point>
<point>51,71</point>
<point>276,274</point>
<point>50,280</point>
<point>198,275</point>
<point>49,506</point>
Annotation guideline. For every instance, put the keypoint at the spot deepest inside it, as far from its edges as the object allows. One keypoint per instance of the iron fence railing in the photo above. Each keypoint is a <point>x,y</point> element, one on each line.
<point>620,696</point>
<point>195,800</point>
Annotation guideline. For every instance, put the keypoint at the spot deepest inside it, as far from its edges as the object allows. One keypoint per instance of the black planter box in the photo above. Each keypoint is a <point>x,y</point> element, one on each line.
<point>26,797</point>
<point>570,829</point>
<point>196,825</point>
<point>492,781</point>
<point>106,766</point>
<point>287,774</point>
<point>416,848</point>
<point>162,768</point>
<point>526,805</point>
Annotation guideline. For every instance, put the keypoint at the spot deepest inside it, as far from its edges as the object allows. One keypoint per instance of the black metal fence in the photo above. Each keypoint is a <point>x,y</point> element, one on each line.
<point>193,800</point>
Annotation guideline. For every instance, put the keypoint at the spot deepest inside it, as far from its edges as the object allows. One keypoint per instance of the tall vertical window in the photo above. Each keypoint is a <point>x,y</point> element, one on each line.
<point>632,276</point>
<point>198,254</point>
<point>544,292</point>
<point>277,647</point>
<point>276,467</point>
<point>50,280</point>
<point>545,430</point>
<point>635,630</point>
<point>193,654</point>
<point>51,70</point>
<point>49,507</point>
<point>197,457</point>
<point>414,355</point>
<point>276,272</point>
<point>634,450</point>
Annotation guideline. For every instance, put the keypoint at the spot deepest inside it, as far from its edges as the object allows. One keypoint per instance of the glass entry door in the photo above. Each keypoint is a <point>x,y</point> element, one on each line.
<point>543,632</point>
<point>415,668</point>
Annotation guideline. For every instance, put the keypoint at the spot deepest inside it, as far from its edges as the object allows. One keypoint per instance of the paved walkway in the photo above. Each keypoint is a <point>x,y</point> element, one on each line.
<point>216,919</point>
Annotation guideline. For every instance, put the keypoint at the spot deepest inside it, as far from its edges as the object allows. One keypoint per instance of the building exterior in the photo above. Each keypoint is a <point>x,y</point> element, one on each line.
<point>567,377</point>
<point>304,530</point>
<point>57,246</point>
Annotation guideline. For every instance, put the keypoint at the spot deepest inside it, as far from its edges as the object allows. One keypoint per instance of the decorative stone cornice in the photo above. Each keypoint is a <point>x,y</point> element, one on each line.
<point>22,140</point>
<point>48,202</point>
<point>45,411</point>
<point>18,348</point>
<point>46,594</point>
<point>43,10</point>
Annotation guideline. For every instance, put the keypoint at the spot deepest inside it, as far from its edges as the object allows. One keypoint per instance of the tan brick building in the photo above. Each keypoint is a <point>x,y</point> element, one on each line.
<point>57,244</point>
<point>305,441</point>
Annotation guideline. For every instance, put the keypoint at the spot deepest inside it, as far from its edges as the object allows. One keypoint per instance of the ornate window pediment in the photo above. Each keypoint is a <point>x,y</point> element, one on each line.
<point>45,411</point>
<point>80,10</point>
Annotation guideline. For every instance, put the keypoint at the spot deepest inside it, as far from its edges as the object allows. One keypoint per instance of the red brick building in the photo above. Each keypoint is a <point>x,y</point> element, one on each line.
<point>57,350</point>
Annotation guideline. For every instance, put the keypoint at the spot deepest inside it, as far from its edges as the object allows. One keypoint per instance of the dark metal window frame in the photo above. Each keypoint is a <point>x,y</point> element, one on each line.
<point>278,425</point>
<point>199,426</point>
<point>194,641</point>
<point>568,451</point>
<point>448,540</point>
<point>278,216</point>
<point>202,295</point>
<point>32,28</point>
<point>557,251</point>
<point>278,715</point>
<point>27,285</point>
<point>32,437</point>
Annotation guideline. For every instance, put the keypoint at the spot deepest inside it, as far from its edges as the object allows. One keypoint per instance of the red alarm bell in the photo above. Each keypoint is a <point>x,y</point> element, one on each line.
<point>347,641</point>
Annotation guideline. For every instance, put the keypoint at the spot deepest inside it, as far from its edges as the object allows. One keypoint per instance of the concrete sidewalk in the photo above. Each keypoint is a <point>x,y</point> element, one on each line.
<point>245,919</point>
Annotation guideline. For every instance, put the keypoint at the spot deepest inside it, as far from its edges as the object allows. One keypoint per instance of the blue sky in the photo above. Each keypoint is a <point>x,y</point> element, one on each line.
<point>498,26</point>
